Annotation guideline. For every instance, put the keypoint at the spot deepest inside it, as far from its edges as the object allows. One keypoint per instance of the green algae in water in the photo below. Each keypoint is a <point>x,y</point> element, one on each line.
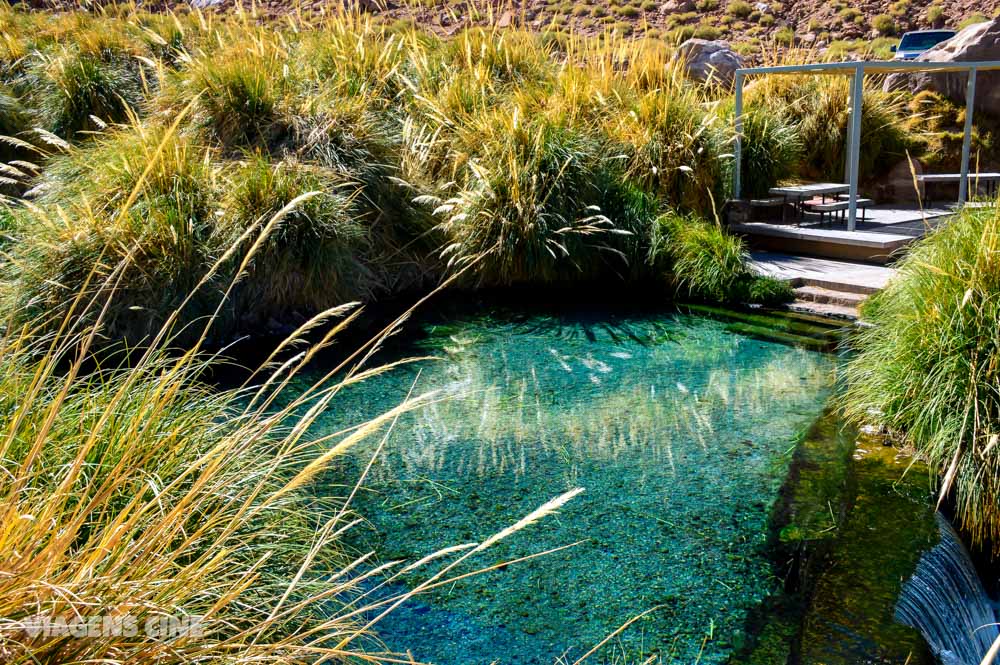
<point>679,431</point>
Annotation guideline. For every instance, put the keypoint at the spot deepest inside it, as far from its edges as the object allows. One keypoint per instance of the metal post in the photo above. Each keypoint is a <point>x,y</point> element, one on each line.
<point>847,143</point>
<point>738,143</point>
<point>970,103</point>
<point>854,141</point>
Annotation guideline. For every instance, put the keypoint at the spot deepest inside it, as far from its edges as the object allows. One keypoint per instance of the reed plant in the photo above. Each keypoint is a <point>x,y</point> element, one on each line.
<point>927,368</point>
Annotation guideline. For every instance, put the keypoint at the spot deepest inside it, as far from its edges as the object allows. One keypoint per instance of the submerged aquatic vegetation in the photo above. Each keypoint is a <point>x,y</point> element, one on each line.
<point>928,366</point>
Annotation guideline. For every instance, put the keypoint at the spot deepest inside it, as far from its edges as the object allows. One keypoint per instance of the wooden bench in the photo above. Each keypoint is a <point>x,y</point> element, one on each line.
<point>840,206</point>
<point>991,181</point>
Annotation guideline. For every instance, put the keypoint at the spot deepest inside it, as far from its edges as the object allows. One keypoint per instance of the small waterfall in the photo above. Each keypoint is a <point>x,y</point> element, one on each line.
<point>945,600</point>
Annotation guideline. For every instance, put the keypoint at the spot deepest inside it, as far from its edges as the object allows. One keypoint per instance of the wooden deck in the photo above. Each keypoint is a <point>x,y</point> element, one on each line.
<point>885,231</point>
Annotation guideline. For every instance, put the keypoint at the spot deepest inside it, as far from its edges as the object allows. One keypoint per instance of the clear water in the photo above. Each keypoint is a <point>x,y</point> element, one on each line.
<point>680,433</point>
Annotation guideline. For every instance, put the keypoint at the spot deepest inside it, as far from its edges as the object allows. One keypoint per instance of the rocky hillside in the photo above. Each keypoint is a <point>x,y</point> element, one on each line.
<point>754,28</point>
<point>751,26</point>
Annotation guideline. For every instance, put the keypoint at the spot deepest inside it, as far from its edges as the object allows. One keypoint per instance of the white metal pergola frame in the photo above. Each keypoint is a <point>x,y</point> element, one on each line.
<point>857,70</point>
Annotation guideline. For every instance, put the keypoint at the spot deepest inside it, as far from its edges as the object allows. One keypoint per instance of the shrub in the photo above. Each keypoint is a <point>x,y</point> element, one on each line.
<point>884,24</point>
<point>681,34</point>
<point>681,18</point>
<point>784,36</point>
<point>739,8</point>
<point>627,11</point>
<point>935,15</point>
<point>928,368</point>
<point>764,290</point>
<point>973,19</point>
<point>900,8</point>
<point>706,31</point>
<point>850,15</point>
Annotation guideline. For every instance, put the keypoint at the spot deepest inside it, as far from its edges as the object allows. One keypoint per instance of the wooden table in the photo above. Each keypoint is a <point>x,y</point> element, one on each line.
<point>799,193</point>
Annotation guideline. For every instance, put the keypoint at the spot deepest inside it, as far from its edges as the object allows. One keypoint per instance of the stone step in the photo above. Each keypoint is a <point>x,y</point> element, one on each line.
<point>812,308</point>
<point>774,335</point>
<point>827,296</point>
<point>835,324</point>
<point>834,284</point>
<point>773,320</point>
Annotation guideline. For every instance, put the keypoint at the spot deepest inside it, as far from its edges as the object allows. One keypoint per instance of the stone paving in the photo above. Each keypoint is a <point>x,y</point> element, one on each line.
<point>828,273</point>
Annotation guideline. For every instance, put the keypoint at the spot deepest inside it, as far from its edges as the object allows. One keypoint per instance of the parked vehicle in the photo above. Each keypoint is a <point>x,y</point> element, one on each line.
<point>915,43</point>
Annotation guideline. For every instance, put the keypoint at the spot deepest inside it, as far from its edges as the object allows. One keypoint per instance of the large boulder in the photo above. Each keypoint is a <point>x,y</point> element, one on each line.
<point>977,42</point>
<point>712,61</point>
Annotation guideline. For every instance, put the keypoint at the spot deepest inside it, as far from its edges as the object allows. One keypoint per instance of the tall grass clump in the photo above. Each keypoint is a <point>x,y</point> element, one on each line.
<point>143,193</point>
<point>531,211</point>
<point>77,91</point>
<point>240,90</point>
<point>703,262</point>
<point>674,149</point>
<point>310,260</point>
<point>817,107</point>
<point>773,151</point>
<point>929,367</point>
<point>139,494</point>
<point>546,161</point>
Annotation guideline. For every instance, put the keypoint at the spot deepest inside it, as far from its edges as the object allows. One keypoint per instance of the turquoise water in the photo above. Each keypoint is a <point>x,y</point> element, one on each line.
<point>679,432</point>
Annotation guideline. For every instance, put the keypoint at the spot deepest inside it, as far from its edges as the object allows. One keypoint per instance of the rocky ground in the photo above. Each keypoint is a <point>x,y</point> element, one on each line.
<point>752,27</point>
<point>835,25</point>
